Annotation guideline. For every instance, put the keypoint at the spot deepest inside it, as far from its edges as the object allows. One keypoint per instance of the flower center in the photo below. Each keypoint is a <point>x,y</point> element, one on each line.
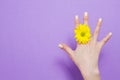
<point>82,34</point>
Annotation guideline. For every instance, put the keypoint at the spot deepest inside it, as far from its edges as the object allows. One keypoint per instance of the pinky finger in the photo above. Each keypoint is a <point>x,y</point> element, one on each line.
<point>106,38</point>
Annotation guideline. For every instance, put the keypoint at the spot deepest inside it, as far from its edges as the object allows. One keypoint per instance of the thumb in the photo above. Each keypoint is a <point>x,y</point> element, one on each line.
<point>67,49</point>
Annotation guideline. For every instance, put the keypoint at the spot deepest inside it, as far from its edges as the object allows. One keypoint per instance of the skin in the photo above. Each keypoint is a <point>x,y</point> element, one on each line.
<point>86,56</point>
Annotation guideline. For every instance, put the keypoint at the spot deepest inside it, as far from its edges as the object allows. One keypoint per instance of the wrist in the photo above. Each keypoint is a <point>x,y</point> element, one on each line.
<point>90,74</point>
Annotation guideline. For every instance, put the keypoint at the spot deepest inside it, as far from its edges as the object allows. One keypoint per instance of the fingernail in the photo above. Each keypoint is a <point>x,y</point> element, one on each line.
<point>60,46</point>
<point>100,19</point>
<point>76,17</point>
<point>85,14</point>
<point>110,33</point>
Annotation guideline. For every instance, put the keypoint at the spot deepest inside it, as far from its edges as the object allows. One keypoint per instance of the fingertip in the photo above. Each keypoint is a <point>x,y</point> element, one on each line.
<point>110,33</point>
<point>100,19</point>
<point>76,16</point>
<point>60,46</point>
<point>86,14</point>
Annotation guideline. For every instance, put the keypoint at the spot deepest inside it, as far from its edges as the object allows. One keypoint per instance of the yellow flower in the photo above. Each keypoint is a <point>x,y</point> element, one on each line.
<point>82,34</point>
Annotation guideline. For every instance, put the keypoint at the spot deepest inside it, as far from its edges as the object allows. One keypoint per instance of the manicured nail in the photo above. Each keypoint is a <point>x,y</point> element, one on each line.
<point>60,46</point>
<point>100,19</point>
<point>110,33</point>
<point>85,14</point>
<point>76,17</point>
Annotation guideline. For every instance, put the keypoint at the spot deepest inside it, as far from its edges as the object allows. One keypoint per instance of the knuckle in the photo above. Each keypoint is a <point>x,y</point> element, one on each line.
<point>104,41</point>
<point>96,31</point>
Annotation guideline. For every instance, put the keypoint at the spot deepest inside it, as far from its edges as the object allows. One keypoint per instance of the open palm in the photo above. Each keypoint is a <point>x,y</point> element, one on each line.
<point>86,56</point>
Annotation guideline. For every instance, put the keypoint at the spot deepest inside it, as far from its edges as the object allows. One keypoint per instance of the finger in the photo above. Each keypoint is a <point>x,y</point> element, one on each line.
<point>97,29</point>
<point>66,48</point>
<point>85,18</point>
<point>104,40</point>
<point>77,21</point>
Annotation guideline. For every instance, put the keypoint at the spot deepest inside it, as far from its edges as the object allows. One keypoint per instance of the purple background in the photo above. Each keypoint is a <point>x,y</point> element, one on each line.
<point>30,31</point>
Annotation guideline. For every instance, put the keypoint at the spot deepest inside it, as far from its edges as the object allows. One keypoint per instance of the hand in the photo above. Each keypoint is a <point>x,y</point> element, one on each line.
<point>86,56</point>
